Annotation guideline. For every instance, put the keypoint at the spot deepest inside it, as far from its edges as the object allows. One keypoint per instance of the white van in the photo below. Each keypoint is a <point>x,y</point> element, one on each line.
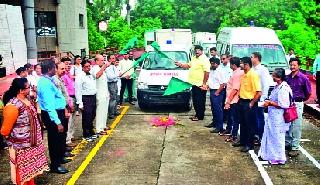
<point>156,73</point>
<point>242,41</point>
<point>205,39</point>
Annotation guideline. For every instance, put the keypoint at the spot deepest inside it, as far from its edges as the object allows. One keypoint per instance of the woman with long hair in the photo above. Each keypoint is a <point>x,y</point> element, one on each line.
<point>273,140</point>
<point>23,134</point>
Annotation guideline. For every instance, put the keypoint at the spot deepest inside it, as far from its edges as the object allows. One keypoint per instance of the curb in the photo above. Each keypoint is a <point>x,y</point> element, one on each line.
<point>312,109</point>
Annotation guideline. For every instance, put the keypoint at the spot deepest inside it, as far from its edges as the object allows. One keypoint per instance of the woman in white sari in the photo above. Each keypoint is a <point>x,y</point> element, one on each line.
<point>273,140</point>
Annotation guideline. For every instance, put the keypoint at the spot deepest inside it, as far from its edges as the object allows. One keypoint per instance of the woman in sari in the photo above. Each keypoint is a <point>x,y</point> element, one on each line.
<point>273,140</point>
<point>23,134</point>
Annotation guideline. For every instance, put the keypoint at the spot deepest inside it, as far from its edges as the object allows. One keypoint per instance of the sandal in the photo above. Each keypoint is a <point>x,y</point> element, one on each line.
<point>192,117</point>
<point>107,128</point>
<point>103,133</point>
<point>231,138</point>
<point>195,119</point>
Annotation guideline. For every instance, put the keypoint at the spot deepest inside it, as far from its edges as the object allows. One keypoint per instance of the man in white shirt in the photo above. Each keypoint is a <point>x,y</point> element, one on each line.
<point>112,78</point>
<point>98,71</point>
<point>225,66</point>
<point>290,54</point>
<point>126,69</point>
<point>85,91</point>
<point>213,52</point>
<point>265,81</point>
<point>217,82</point>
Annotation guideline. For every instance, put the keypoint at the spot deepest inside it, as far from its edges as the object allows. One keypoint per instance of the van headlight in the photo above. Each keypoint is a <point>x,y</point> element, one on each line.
<point>142,85</point>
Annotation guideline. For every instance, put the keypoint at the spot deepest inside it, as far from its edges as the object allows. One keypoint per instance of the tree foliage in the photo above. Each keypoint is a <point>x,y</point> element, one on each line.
<point>95,38</point>
<point>296,21</point>
<point>119,32</point>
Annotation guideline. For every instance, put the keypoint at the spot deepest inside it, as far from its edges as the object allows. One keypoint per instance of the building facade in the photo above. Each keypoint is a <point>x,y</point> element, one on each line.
<point>61,26</point>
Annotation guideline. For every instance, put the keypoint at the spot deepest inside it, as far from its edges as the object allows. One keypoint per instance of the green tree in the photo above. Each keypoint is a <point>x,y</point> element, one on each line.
<point>140,26</point>
<point>119,32</point>
<point>95,38</point>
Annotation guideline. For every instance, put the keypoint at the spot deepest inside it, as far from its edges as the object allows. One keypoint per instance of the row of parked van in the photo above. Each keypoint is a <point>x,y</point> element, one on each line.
<point>157,71</point>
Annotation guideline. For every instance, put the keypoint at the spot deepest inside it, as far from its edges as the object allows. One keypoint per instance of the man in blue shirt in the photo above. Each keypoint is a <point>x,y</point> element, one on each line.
<point>52,104</point>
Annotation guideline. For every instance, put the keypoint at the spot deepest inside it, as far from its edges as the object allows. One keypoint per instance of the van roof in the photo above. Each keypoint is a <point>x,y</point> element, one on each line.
<point>170,47</point>
<point>248,35</point>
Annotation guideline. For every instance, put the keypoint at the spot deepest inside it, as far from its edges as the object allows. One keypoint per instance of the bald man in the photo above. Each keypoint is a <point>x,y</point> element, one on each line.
<point>102,97</point>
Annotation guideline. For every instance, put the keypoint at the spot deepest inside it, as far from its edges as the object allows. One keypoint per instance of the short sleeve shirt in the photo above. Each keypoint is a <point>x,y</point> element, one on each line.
<point>249,85</point>
<point>198,67</point>
<point>234,83</point>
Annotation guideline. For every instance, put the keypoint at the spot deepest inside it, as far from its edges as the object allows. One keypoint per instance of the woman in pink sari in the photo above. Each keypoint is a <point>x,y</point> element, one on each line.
<point>23,134</point>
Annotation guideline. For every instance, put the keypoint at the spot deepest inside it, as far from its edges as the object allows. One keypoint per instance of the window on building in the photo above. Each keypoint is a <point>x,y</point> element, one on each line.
<point>45,19</point>
<point>45,23</point>
<point>81,25</point>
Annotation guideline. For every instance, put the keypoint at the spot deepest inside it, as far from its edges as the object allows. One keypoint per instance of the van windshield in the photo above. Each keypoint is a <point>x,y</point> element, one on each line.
<point>272,54</point>
<point>156,61</point>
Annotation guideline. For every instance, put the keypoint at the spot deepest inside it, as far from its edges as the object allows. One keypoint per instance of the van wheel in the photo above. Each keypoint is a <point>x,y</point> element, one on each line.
<point>142,106</point>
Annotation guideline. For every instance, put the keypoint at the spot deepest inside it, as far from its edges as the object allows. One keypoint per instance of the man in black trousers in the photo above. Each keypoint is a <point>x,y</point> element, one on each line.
<point>52,104</point>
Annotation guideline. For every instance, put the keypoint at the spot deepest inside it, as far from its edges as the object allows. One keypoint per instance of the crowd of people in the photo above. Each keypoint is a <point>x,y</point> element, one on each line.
<point>49,96</point>
<point>239,95</point>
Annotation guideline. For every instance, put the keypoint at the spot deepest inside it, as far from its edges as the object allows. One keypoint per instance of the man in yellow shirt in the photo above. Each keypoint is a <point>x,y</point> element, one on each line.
<point>250,93</point>
<point>199,68</point>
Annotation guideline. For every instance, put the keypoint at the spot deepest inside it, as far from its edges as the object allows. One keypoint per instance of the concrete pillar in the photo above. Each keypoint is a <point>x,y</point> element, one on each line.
<point>29,30</point>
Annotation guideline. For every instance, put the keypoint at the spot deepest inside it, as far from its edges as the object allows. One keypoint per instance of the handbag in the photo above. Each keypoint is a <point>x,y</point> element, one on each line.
<point>290,114</point>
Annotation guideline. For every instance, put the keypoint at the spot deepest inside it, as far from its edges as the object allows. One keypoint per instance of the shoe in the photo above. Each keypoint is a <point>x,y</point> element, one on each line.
<point>94,136</point>
<point>211,125</point>
<point>106,129</point>
<point>64,161</point>
<point>117,113</point>
<point>245,149</point>
<point>88,139</point>
<point>225,133</point>
<point>111,117</point>
<point>68,154</point>
<point>134,99</point>
<point>293,153</point>
<point>59,170</point>
<point>195,119</point>
<point>69,149</point>
<point>276,162</point>
<point>132,103</point>
<point>71,144</point>
<point>288,147</point>
<point>257,141</point>
<point>215,131</point>
<point>103,133</point>
<point>237,144</point>
<point>231,139</point>
<point>77,113</point>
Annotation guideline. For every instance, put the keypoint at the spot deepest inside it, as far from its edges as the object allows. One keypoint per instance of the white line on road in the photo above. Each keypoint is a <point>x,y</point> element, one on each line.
<point>304,140</point>
<point>261,169</point>
<point>312,159</point>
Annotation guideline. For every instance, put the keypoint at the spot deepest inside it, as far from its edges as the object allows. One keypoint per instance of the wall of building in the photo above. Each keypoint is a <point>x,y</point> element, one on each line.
<point>13,46</point>
<point>45,5</point>
<point>45,43</point>
<point>71,36</point>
